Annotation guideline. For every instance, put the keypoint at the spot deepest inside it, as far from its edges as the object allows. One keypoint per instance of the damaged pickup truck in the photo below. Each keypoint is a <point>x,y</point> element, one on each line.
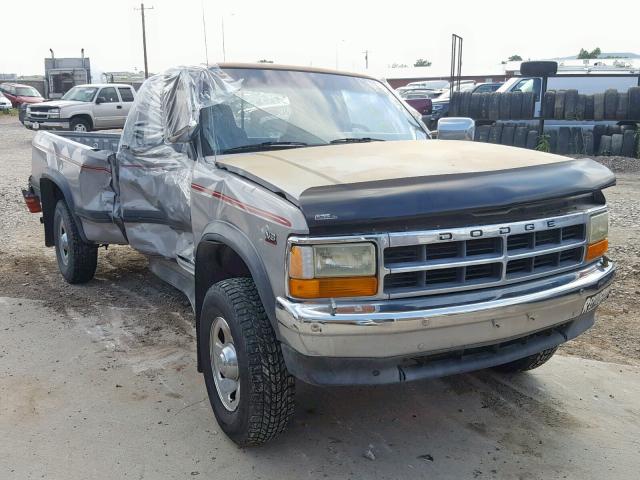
<point>321,234</point>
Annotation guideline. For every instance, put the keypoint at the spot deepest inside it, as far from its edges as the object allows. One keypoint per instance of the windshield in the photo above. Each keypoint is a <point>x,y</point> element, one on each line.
<point>27,92</point>
<point>81,94</point>
<point>284,109</point>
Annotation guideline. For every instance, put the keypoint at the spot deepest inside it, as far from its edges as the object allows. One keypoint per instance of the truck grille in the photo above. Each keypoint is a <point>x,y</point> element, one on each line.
<point>440,261</point>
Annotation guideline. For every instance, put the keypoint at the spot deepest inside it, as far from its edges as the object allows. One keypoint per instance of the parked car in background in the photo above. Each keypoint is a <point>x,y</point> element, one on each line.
<point>5,103</point>
<point>486,87</point>
<point>84,108</point>
<point>19,94</point>
<point>419,99</point>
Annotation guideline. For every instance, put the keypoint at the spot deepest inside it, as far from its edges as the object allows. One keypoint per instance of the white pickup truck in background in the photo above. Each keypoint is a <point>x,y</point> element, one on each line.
<point>584,84</point>
<point>84,108</point>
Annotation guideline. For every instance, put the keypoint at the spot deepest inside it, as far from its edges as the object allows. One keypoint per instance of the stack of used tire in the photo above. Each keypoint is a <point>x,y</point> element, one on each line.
<point>610,105</point>
<point>511,134</point>
<point>493,106</point>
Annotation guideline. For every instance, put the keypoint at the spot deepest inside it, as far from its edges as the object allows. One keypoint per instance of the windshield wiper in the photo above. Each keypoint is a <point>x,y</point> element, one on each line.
<point>256,147</point>
<point>356,140</point>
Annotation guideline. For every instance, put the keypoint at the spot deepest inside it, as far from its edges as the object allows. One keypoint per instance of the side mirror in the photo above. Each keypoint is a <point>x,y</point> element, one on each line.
<point>100,100</point>
<point>456,128</point>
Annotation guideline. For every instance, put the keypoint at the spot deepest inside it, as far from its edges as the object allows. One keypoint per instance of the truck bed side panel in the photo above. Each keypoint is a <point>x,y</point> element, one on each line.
<point>85,177</point>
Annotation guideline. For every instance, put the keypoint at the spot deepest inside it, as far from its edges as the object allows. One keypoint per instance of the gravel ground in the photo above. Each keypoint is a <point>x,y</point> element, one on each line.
<point>29,270</point>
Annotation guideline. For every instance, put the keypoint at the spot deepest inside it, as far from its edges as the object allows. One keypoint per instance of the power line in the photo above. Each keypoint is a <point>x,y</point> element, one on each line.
<point>144,38</point>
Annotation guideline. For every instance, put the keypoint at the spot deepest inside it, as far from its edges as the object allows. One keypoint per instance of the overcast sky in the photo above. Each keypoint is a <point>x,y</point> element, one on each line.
<point>324,33</point>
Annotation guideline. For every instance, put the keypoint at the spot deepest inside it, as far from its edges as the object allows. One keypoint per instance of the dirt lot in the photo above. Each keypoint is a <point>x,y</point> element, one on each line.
<point>28,269</point>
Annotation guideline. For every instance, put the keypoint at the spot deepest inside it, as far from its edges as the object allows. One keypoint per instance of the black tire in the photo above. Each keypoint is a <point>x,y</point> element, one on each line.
<point>520,137</point>
<point>605,145</point>
<point>494,105</point>
<point>549,104</point>
<point>505,106</point>
<point>616,144</point>
<point>558,111</point>
<point>475,108</point>
<point>538,68</point>
<point>508,132</point>
<point>598,132</point>
<point>588,108</point>
<point>610,104</point>
<point>454,104</point>
<point>482,132</point>
<point>532,139</point>
<point>570,104</point>
<point>516,106</point>
<point>564,133</point>
<point>79,124</point>
<point>486,106</point>
<point>266,398</point>
<point>598,106</point>
<point>629,143</point>
<point>578,141</point>
<point>77,260</point>
<point>495,133</point>
<point>466,100</point>
<point>588,142</point>
<point>553,141</point>
<point>633,110</point>
<point>528,105</point>
<point>527,363</point>
<point>581,106</point>
<point>623,106</point>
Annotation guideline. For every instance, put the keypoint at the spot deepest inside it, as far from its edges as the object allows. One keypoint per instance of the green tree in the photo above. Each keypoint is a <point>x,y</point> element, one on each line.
<point>399,65</point>
<point>422,62</point>
<point>515,58</point>
<point>584,54</point>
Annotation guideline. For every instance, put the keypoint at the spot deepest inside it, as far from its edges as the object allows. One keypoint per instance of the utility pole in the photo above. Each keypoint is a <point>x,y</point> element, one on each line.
<point>366,59</point>
<point>204,28</point>
<point>144,38</point>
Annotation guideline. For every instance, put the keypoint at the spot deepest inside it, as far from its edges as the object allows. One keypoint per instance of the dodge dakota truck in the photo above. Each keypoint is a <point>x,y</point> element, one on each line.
<point>320,233</point>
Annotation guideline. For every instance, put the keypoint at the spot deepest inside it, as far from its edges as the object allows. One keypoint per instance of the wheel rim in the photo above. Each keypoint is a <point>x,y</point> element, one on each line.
<point>224,364</point>
<point>80,127</point>
<point>63,243</point>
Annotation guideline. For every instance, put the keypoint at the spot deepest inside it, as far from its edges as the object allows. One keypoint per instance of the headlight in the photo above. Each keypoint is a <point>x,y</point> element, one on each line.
<point>597,238</point>
<point>334,270</point>
<point>54,113</point>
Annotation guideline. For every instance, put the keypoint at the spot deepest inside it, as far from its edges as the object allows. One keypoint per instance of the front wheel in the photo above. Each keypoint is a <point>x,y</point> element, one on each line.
<point>77,260</point>
<point>250,390</point>
<point>80,125</point>
<point>527,363</point>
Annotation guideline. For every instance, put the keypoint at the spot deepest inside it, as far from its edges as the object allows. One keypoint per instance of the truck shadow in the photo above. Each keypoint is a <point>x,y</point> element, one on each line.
<point>483,420</point>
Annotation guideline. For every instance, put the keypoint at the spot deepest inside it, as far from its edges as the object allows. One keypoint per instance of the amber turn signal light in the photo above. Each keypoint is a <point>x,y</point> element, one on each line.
<point>596,250</point>
<point>333,287</point>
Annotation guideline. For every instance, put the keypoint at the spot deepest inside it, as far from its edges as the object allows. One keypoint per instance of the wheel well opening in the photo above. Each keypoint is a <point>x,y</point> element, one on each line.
<point>83,116</point>
<point>216,262</point>
<point>50,193</point>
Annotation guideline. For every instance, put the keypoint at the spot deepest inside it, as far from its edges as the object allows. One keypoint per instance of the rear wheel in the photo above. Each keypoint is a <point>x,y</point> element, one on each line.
<point>527,363</point>
<point>250,390</point>
<point>77,260</point>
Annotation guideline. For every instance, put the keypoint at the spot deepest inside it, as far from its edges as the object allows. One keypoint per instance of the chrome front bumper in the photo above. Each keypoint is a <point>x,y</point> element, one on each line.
<point>434,324</point>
